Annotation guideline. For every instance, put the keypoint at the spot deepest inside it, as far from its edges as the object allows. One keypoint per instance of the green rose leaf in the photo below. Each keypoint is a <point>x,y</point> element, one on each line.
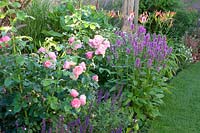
<point>70,7</point>
<point>47,82</point>
<point>17,108</point>
<point>20,60</point>
<point>3,4</point>
<point>21,15</point>
<point>16,4</point>
<point>8,82</point>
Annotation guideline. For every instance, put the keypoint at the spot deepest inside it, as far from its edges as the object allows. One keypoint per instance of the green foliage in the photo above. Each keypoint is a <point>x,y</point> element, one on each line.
<point>13,14</point>
<point>144,87</point>
<point>157,5</point>
<point>108,115</point>
<point>33,27</point>
<point>62,21</point>
<point>182,55</point>
<point>184,20</point>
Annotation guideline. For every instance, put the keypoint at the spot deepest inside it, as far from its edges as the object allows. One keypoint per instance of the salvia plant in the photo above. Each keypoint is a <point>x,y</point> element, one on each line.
<point>139,60</point>
<point>105,105</point>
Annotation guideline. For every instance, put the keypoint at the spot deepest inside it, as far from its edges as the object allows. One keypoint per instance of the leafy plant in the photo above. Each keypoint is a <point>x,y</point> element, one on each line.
<point>159,5</point>
<point>37,86</point>
<point>139,61</point>
<point>33,27</point>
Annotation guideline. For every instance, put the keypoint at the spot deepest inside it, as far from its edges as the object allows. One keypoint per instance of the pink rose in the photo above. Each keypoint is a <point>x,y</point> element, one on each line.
<point>89,55</point>
<point>77,46</point>
<point>0,46</point>
<point>74,93</point>
<point>91,43</point>
<point>67,65</point>
<point>95,78</point>
<point>83,65</point>
<point>52,55</point>
<point>96,42</point>
<point>47,64</point>
<point>41,50</point>
<point>4,39</point>
<point>83,99</point>
<point>101,50</point>
<point>71,40</point>
<point>106,43</point>
<point>98,39</point>
<point>75,103</point>
<point>78,70</point>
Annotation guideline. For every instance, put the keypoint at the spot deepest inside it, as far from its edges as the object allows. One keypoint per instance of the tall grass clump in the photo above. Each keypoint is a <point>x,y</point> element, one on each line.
<point>39,10</point>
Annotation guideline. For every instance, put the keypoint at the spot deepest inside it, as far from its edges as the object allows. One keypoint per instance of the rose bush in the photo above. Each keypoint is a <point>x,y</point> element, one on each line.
<point>38,86</point>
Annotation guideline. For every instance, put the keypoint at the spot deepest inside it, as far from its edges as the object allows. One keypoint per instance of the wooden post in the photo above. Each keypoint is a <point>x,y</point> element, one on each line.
<point>136,14</point>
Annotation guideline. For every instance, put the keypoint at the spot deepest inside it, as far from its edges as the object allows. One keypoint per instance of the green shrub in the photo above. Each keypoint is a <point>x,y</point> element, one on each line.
<point>159,5</point>
<point>184,20</point>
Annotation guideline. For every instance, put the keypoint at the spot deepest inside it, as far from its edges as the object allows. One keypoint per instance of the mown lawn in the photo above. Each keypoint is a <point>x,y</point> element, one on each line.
<point>181,112</point>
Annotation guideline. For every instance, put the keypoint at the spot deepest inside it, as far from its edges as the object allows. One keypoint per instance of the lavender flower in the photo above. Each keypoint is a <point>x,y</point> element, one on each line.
<point>91,129</point>
<point>118,42</point>
<point>137,63</point>
<point>170,50</point>
<point>108,59</point>
<point>43,126</point>
<point>99,96</point>
<point>132,26</point>
<point>16,124</point>
<point>50,130</point>
<point>106,96</point>
<point>128,51</point>
<point>141,30</point>
<point>149,63</point>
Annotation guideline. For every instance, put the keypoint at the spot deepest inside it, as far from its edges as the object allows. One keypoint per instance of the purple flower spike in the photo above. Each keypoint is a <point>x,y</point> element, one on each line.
<point>43,126</point>
<point>137,63</point>
<point>16,124</point>
<point>99,96</point>
<point>118,42</point>
<point>106,96</point>
<point>141,29</point>
<point>132,26</point>
<point>147,37</point>
<point>108,59</point>
<point>87,121</point>
<point>128,51</point>
<point>170,50</point>
<point>149,63</point>
<point>50,130</point>
<point>91,129</point>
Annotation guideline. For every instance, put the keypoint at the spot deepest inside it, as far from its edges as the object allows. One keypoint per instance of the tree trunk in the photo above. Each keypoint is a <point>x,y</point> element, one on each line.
<point>128,7</point>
